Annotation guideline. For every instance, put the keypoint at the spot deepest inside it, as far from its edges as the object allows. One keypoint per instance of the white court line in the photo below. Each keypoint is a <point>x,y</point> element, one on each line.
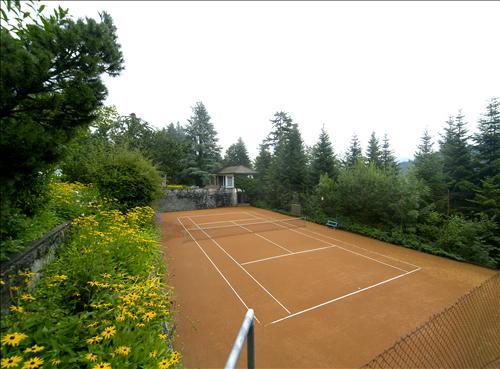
<point>284,255</point>
<point>216,268</point>
<point>251,276</point>
<point>348,243</point>
<point>342,248</point>
<point>211,215</point>
<point>342,297</point>
<point>261,236</point>
<point>246,224</point>
<point>227,221</point>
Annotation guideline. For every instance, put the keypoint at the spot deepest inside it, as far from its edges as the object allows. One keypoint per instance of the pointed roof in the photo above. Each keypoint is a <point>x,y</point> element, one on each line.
<point>238,169</point>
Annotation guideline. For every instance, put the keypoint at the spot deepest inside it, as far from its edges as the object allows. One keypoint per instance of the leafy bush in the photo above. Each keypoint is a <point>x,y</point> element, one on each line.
<point>101,302</point>
<point>129,178</point>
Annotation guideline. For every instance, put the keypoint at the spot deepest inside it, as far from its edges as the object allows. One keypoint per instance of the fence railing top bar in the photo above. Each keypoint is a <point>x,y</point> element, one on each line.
<point>240,340</point>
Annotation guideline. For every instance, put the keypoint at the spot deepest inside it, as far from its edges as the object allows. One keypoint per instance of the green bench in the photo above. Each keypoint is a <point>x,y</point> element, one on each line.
<point>331,223</point>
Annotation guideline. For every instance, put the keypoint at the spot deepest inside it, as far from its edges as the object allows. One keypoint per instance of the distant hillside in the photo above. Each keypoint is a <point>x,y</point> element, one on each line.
<point>404,166</point>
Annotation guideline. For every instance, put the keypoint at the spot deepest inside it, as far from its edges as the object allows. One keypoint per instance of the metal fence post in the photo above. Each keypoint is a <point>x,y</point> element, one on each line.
<point>246,331</point>
<point>250,347</point>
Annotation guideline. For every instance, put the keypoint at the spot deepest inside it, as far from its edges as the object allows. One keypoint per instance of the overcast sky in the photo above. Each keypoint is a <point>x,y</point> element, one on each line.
<point>356,67</point>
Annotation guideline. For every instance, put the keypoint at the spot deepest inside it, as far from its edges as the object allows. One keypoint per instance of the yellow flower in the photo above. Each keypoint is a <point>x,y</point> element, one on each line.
<point>13,339</point>
<point>34,348</point>
<point>164,364</point>
<point>149,315</point>
<point>106,275</point>
<point>175,358</point>
<point>94,340</point>
<point>123,350</point>
<point>102,366</point>
<point>1,284</point>
<point>33,363</point>
<point>92,325</point>
<point>108,332</point>
<point>140,325</point>
<point>10,362</point>
<point>91,357</point>
<point>163,336</point>
<point>153,354</point>
<point>16,309</point>
<point>120,318</point>
<point>55,362</point>
<point>27,297</point>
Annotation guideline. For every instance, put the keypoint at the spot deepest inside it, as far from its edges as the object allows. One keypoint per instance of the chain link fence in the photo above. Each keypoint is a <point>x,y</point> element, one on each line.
<point>465,335</point>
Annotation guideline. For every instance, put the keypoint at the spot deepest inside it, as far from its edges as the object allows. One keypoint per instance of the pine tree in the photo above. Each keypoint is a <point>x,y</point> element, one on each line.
<point>429,168</point>
<point>263,162</point>
<point>487,142</point>
<point>204,153</point>
<point>322,158</point>
<point>282,124</point>
<point>354,154</point>
<point>387,158</point>
<point>373,153</point>
<point>457,164</point>
<point>237,154</point>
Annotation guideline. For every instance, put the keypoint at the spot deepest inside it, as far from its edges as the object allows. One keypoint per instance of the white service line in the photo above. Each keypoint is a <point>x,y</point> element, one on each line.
<point>251,276</point>
<point>229,221</point>
<point>216,268</point>
<point>342,297</point>
<point>265,238</point>
<point>284,255</point>
<point>342,248</point>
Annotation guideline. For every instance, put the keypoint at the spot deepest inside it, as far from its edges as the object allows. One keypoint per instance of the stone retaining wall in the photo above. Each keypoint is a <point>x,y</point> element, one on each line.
<point>193,199</point>
<point>38,254</point>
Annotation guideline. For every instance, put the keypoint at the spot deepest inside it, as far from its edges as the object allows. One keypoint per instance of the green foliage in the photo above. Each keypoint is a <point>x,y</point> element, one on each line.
<point>282,124</point>
<point>237,154</point>
<point>101,300</point>
<point>50,86</point>
<point>322,158</point>
<point>127,177</point>
<point>487,141</point>
<point>373,153</point>
<point>354,153</point>
<point>388,161</point>
<point>204,153</point>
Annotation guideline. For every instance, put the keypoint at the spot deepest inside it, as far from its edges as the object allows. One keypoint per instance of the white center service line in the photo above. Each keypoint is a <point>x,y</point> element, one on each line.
<point>239,265</point>
<point>216,268</point>
<point>265,238</point>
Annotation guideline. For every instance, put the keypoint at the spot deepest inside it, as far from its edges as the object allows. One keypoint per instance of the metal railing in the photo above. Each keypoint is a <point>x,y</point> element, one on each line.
<point>246,332</point>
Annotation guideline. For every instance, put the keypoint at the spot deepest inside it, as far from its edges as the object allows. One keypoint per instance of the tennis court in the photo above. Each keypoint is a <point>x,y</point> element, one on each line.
<point>303,280</point>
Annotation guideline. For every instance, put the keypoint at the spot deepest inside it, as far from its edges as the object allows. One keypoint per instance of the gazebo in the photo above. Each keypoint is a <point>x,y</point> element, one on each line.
<point>225,177</point>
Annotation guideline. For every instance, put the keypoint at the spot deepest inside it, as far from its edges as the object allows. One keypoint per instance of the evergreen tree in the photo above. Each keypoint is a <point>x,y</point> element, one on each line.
<point>176,131</point>
<point>387,158</point>
<point>487,142</point>
<point>457,164</point>
<point>263,162</point>
<point>237,154</point>
<point>50,87</point>
<point>354,154</point>
<point>204,153</point>
<point>428,167</point>
<point>322,158</point>
<point>282,124</point>
<point>373,153</point>
<point>288,168</point>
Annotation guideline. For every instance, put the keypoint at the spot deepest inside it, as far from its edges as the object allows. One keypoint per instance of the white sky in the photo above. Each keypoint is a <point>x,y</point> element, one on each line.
<point>395,67</point>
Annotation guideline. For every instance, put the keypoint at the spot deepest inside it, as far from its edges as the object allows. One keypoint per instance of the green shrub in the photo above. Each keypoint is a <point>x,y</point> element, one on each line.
<point>129,178</point>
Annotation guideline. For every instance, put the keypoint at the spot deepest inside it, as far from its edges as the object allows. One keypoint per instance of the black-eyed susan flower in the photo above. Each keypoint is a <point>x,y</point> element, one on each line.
<point>33,363</point>
<point>153,354</point>
<point>27,297</point>
<point>175,358</point>
<point>149,315</point>
<point>10,362</point>
<point>34,348</point>
<point>123,350</point>
<point>91,357</point>
<point>164,364</point>
<point>55,361</point>
<point>13,339</point>
<point>108,332</point>
<point>163,336</point>
<point>16,309</point>
<point>94,340</point>
<point>102,366</point>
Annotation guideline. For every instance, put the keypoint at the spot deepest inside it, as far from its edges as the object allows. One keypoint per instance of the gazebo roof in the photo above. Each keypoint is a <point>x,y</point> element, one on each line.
<point>238,169</point>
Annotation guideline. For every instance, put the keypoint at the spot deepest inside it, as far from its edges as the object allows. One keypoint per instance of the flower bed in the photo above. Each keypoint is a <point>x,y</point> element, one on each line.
<point>101,304</point>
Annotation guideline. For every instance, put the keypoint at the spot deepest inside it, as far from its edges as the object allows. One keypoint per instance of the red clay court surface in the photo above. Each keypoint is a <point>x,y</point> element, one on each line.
<point>322,297</point>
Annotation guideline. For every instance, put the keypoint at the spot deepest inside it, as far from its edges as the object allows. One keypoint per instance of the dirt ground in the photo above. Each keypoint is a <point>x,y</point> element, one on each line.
<point>322,297</point>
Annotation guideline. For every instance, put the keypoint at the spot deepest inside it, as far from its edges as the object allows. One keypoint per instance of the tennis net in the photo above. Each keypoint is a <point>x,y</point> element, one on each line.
<point>234,229</point>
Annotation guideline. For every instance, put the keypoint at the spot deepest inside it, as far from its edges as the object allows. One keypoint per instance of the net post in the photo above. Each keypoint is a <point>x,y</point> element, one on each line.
<point>251,347</point>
